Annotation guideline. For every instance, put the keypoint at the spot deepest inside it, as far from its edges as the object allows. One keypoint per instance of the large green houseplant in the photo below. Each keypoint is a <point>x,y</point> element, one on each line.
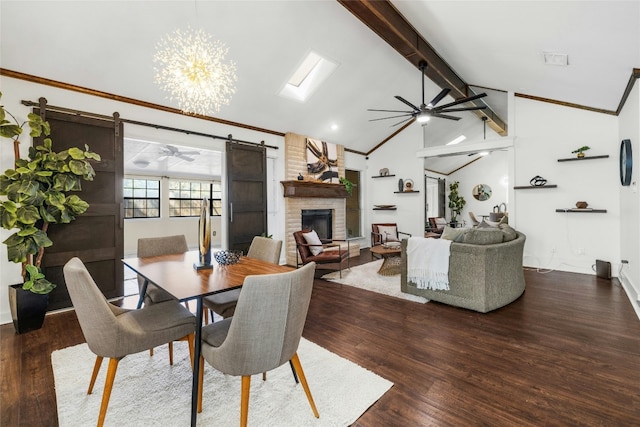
<point>35,194</point>
<point>456,201</point>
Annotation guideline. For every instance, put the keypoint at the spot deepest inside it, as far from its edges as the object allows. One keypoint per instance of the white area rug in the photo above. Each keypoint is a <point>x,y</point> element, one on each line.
<point>366,276</point>
<point>149,392</point>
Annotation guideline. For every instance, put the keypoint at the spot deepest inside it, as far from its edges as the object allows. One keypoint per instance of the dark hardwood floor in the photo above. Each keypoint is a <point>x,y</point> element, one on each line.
<point>566,353</point>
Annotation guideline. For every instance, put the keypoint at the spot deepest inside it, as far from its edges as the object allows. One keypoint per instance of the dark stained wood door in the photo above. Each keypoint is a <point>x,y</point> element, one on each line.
<point>246,194</point>
<point>96,237</point>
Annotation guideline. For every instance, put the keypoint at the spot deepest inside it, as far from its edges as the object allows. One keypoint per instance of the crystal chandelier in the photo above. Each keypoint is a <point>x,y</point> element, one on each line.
<point>194,71</point>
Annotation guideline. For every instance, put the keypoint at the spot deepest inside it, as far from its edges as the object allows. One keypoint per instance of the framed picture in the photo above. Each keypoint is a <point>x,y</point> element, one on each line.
<point>322,160</point>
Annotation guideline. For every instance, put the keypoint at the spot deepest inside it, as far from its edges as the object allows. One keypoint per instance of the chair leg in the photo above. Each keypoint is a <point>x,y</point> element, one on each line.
<point>206,317</point>
<point>244,400</point>
<point>96,369</point>
<point>151,352</point>
<point>108,386</point>
<point>200,384</point>
<point>171,353</point>
<point>303,380</point>
<point>191,343</point>
<point>293,370</point>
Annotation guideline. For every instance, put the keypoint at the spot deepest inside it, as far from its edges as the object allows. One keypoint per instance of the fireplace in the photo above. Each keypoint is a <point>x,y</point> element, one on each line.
<point>320,220</point>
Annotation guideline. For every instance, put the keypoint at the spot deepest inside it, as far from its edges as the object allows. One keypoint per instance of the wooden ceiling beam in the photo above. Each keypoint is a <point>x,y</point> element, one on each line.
<point>385,20</point>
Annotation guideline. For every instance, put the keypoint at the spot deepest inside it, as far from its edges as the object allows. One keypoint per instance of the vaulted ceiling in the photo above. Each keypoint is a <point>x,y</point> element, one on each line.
<point>495,46</point>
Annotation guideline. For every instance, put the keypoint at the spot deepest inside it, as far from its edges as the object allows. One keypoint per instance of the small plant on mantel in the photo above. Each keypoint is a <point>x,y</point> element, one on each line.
<point>581,151</point>
<point>348,185</point>
<point>36,195</point>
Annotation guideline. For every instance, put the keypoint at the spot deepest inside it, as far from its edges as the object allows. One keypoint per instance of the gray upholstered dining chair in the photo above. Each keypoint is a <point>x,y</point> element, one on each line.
<point>264,332</point>
<point>155,246</point>
<point>115,332</point>
<point>224,303</point>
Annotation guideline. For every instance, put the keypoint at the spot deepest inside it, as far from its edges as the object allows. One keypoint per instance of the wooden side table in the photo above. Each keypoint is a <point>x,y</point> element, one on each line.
<point>391,260</point>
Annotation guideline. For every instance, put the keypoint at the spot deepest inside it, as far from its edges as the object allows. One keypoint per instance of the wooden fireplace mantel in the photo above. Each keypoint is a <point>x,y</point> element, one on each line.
<point>324,190</point>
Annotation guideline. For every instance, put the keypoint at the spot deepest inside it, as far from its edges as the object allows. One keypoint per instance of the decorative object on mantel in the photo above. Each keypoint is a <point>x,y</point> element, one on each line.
<point>400,185</point>
<point>408,185</point>
<point>581,151</point>
<point>204,238</point>
<point>582,205</point>
<point>194,71</point>
<point>300,177</point>
<point>538,181</point>
<point>384,172</point>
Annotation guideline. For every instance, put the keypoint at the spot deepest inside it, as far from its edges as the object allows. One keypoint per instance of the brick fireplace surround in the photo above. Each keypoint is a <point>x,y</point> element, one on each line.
<point>295,163</point>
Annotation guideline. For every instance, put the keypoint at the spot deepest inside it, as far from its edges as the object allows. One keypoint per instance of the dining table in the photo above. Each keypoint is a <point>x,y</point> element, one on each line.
<point>177,274</point>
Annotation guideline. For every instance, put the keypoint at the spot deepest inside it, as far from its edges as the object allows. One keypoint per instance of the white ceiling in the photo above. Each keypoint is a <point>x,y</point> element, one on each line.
<point>109,45</point>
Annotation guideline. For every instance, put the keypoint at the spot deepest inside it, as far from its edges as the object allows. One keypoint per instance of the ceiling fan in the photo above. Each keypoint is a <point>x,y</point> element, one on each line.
<point>171,151</point>
<point>423,113</point>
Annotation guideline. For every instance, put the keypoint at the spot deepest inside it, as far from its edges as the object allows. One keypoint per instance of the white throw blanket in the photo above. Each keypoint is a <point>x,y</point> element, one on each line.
<point>428,262</point>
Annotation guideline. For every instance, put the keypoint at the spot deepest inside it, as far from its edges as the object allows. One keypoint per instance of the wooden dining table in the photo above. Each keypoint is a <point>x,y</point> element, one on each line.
<point>177,275</point>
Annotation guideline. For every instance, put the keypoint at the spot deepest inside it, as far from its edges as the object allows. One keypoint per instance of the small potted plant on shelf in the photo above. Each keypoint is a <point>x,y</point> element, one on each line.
<point>35,194</point>
<point>456,201</point>
<point>581,151</point>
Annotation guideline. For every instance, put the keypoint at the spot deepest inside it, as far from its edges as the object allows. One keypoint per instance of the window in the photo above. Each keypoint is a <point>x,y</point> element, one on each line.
<point>185,197</point>
<point>141,198</point>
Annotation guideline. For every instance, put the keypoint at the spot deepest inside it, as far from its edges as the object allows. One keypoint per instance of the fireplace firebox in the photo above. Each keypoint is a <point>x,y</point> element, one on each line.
<point>320,220</point>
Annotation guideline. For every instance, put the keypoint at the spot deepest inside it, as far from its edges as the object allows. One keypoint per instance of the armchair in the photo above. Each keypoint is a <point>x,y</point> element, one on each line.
<point>385,232</point>
<point>309,248</point>
<point>437,224</point>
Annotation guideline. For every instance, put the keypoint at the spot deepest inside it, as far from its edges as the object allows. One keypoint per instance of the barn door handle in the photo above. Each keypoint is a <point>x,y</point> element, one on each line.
<point>121,216</point>
<point>231,211</point>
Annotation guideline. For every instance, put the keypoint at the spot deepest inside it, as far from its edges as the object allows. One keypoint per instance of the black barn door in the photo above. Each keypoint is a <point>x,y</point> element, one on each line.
<point>247,194</point>
<point>96,237</point>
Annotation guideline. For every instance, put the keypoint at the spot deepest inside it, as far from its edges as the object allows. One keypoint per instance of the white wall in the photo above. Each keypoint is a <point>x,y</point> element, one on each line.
<point>629,128</point>
<point>14,90</point>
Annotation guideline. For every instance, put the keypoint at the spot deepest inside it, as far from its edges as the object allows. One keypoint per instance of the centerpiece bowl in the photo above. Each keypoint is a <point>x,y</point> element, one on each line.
<point>227,257</point>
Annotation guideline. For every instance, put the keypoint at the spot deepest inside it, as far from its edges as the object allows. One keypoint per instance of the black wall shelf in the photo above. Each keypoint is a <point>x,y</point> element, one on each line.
<point>384,209</point>
<point>534,187</point>
<point>406,192</point>
<point>572,159</point>
<point>582,210</point>
<point>382,176</point>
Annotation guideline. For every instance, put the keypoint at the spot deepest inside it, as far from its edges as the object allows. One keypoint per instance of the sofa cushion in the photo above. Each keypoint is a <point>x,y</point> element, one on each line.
<point>454,234</point>
<point>508,233</point>
<point>483,236</point>
<point>388,232</point>
<point>313,239</point>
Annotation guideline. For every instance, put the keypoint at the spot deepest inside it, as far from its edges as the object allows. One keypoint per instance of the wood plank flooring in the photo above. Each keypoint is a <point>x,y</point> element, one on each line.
<point>566,353</point>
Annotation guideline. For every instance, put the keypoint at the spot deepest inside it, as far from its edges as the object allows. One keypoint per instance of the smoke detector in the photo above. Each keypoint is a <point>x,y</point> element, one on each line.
<point>552,58</point>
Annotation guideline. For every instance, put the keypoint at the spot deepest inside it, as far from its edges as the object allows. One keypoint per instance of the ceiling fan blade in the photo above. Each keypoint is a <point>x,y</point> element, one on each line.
<point>391,111</point>
<point>183,157</point>
<point>462,101</point>
<point>401,122</point>
<point>390,117</point>
<point>444,116</point>
<point>439,97</point>
<point>450,110</point>
<point>401,99</point>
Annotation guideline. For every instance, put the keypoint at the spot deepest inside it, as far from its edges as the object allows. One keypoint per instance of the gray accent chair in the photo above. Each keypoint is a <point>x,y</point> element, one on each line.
<point>261,248</point>
<point>156,246</point>
<point>263,334</point>
<point>482,277</point>
<point>115,332</point>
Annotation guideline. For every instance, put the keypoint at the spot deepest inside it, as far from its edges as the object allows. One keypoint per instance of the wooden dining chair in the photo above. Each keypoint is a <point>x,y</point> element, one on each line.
<point>224,303</point>
<point>115,332</point>
<point>263,334</point>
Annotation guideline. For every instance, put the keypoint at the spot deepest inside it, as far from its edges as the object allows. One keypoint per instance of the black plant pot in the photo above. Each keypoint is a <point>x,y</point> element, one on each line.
<point>27,309</point>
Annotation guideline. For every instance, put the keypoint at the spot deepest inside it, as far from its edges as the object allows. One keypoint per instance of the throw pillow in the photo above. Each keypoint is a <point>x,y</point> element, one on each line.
<point>508,233</point>
<point>313,239</point>
<point>388,232</point>
<point>454,234</point>
<point>483,236</point>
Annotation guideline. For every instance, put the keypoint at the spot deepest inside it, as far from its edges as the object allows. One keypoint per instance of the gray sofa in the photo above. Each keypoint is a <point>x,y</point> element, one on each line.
<point>482,277</point>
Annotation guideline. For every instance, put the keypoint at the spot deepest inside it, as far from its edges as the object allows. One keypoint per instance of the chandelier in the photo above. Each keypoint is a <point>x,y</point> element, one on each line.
<point>194,71</point>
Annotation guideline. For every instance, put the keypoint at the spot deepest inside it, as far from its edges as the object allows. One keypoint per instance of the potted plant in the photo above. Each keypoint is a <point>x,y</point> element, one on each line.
<point>581,151</point>
<point>456,201</point>
<point>35,194</point>
<point>348,185</point>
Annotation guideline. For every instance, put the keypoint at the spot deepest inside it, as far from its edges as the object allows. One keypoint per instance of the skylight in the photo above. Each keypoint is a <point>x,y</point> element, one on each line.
<point>313,70</point>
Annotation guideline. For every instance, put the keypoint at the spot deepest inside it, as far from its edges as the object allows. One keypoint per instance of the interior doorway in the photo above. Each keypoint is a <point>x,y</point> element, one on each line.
<point>434,202</point>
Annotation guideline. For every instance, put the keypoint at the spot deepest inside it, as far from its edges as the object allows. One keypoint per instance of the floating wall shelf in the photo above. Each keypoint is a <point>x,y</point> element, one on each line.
<point>572,159</point>
<point>534,187</point>
<point>384,209</point>
<point>406,192</point>
<point>382,176</point>
<point>582,210</point>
